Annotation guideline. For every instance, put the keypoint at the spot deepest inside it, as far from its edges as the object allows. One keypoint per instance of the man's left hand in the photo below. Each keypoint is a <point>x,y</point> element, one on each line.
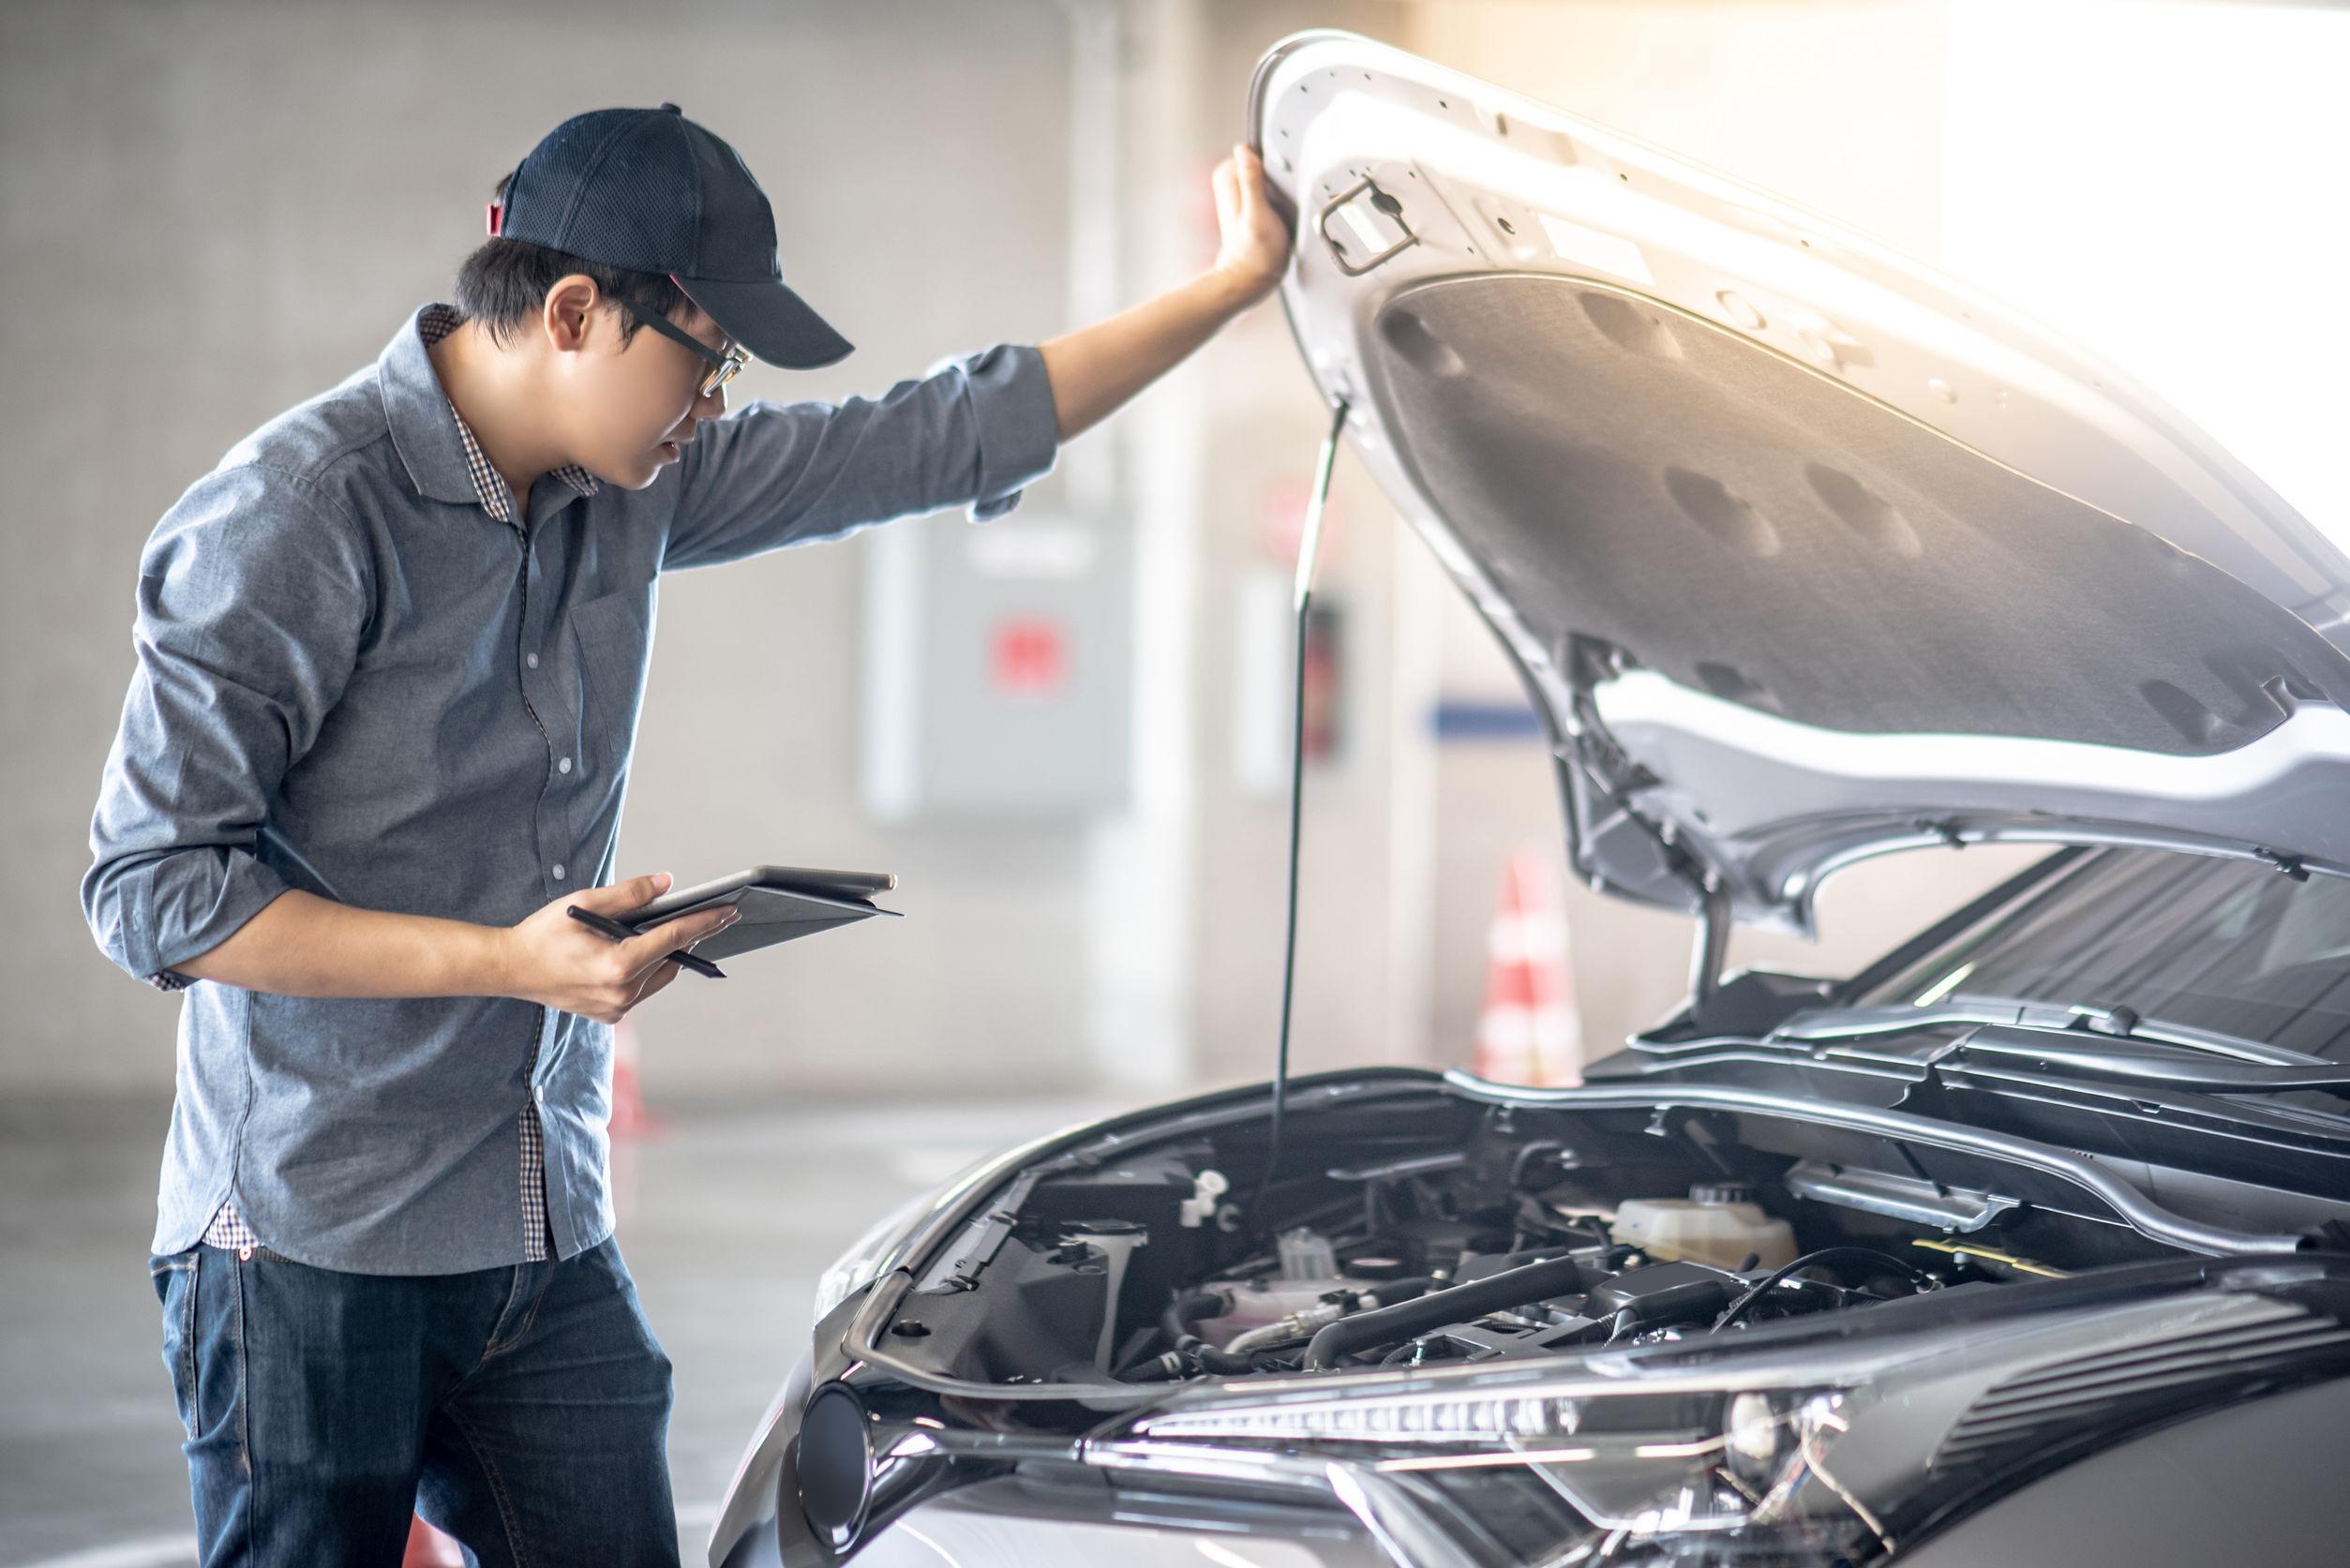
<point>1254,250</point>
<point>1097,368</point>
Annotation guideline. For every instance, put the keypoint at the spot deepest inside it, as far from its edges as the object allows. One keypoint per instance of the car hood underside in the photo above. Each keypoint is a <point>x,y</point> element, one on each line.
<point>1803,552</point>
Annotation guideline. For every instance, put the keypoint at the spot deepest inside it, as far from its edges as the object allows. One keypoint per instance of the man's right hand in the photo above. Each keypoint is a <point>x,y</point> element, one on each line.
<point>564,963</point>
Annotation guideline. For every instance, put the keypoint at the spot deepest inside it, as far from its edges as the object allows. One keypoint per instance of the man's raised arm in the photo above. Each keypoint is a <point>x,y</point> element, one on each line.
<point>1094,369</point>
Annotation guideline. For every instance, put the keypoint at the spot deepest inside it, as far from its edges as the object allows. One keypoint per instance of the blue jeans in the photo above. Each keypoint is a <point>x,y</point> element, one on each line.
<point>523,1409</point>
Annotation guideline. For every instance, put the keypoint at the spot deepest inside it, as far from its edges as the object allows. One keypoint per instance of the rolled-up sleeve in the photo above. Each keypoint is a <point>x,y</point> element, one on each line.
<point>970,433</point>
<point>253,599</point>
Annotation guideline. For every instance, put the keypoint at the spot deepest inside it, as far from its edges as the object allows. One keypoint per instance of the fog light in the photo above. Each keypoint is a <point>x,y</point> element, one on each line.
<point>836,1463</point>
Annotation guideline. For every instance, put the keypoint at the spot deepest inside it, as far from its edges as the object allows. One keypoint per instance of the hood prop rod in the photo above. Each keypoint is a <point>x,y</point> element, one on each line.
<point>1309,546</point>
<point>1709,951</point>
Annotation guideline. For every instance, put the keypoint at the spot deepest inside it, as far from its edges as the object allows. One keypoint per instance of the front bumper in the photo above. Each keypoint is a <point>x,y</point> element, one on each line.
<point>975,1498</point>
<point>748,1515</point>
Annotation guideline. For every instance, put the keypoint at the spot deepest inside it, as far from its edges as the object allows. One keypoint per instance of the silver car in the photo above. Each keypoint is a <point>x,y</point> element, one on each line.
<point>2029,1243</point>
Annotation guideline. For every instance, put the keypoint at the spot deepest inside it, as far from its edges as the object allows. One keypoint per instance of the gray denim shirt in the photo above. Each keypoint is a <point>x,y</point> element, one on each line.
<point>353,680</point>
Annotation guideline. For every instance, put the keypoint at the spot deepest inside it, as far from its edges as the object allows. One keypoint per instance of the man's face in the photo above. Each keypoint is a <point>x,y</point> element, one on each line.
<point>636,404</point>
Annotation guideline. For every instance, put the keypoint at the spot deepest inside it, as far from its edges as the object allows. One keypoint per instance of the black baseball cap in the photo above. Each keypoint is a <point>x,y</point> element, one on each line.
<point>648,190</point>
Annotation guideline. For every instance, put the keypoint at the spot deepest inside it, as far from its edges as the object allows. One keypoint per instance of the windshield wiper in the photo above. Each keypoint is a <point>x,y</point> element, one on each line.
<point>2060,1018</point>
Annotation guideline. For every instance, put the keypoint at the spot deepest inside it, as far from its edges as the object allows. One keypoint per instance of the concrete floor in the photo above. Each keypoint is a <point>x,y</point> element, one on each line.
<point>727,1218</point>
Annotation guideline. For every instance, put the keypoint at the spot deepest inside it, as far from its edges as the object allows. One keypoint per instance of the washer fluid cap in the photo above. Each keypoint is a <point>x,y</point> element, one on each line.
<point>1306,1254</point>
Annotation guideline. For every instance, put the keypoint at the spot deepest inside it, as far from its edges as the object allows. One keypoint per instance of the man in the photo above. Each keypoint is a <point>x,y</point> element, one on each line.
<point>390,655</point>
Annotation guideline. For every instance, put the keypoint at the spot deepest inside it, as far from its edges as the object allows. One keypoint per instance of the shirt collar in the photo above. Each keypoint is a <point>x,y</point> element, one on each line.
<point>443,459</point>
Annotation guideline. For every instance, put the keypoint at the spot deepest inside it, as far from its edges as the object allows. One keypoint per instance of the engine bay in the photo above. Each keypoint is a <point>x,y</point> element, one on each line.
<point>1422,1230</point>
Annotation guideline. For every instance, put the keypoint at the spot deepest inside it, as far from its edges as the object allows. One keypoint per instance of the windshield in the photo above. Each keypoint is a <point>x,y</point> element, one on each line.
<point>2228,946</point>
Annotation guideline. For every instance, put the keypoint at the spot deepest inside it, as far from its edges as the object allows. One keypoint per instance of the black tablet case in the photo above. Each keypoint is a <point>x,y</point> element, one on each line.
<point>778,905</point>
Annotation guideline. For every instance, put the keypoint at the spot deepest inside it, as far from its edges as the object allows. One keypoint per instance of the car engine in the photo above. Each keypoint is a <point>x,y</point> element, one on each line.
<point>1506,1236</point>
<point>1419,1276</point>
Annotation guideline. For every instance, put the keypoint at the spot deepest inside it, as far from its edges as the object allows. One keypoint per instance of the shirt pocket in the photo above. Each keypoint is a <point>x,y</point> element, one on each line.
<point>613,636</point>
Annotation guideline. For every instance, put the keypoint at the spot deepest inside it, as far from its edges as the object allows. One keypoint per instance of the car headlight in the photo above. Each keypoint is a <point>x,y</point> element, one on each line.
<point>872,1254</point>
<point>1681,1477</point>
<point>1833,1449</point>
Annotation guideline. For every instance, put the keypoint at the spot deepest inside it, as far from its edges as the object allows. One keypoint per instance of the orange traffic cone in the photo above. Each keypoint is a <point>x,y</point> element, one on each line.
<point>1528,1031</point>
<point>429,1548</point>
<point>630,1118</point>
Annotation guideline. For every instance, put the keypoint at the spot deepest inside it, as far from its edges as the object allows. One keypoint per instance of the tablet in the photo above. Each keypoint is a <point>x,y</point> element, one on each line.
<point>777,903</point>
<point>783,879</point>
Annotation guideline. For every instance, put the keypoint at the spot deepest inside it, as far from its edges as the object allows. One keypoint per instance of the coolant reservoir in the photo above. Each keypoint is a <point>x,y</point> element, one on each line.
<point>1717,1224</point>
<point>1309,1272</point>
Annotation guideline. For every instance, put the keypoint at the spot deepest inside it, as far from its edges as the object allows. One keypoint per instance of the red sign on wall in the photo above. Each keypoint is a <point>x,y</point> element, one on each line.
<point>1028,658</point>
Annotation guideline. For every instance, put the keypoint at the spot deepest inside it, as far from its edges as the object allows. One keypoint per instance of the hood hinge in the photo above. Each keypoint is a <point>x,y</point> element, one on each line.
<point>1587,661</point>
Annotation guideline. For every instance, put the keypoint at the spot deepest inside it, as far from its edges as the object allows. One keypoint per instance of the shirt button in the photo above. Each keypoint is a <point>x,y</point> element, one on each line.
<point>531,660</point>
<point>563,767</point>
<point>558,871</point>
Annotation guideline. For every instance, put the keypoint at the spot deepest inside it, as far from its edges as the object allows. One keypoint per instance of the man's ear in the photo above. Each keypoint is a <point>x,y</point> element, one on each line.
<point>567,311</point>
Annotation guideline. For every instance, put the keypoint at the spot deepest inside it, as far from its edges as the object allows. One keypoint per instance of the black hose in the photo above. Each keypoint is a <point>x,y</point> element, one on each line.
<point>1182,1311</point>
<point>1737,1309</point>
<point>1527,1156</point>
<point>1158,1369</point>
<point>1136,1342</point>
<point>1535,1281</point>
<point>1185,1342</point>
<point>1410,1287</point>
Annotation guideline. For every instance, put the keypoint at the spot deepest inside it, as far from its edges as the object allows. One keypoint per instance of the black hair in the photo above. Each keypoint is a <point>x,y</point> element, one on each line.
<point>505,282</point>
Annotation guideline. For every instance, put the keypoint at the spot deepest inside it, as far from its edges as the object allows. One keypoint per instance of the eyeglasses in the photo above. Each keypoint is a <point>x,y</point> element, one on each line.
<point>723,367</point>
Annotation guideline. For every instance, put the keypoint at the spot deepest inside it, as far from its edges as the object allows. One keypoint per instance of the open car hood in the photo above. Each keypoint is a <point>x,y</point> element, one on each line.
<point>1804,552</point>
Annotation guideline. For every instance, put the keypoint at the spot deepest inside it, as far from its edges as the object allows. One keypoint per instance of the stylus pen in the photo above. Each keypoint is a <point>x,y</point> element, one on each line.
<point>620,933</point>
